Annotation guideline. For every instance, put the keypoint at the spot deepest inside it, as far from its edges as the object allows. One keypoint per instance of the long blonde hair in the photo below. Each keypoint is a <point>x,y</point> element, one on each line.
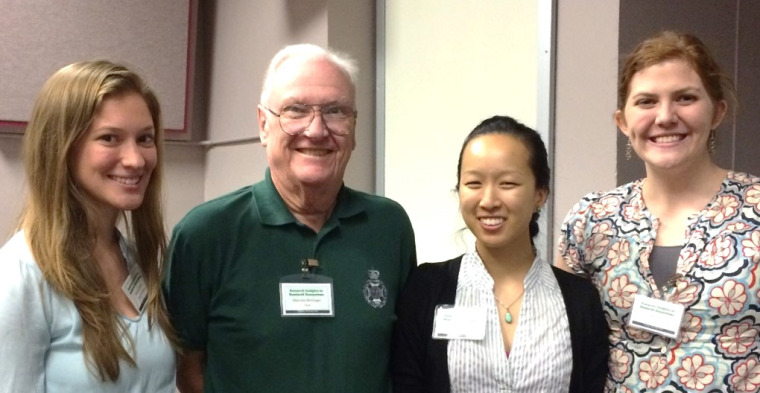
<point>56,216</point>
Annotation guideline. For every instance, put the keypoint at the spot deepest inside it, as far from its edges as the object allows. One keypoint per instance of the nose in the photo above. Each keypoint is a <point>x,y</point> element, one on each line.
<point>317,128</point>
<point>132,155</point>
<point>666,114</point>
<point>489,199</point>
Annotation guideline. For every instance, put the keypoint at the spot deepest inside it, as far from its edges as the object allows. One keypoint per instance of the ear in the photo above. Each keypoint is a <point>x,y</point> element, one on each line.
<point>262,118</point>
<point>721,107</point>
<point>353,140</point>
<point>541,196</point>
<point>619,118</point>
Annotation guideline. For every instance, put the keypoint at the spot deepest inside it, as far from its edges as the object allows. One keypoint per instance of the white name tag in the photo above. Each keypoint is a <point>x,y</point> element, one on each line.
<point>306,299</point>
<point>135,289</point>
<point>656,316</point>
<point>464,323</point>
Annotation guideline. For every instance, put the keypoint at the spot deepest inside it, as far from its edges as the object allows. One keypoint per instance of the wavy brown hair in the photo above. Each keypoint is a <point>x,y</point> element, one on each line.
<point>56,216</point>
<point>671,45</point>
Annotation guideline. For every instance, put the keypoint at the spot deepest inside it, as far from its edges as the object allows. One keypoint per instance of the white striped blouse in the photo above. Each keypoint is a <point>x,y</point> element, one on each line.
<point>540,359</point>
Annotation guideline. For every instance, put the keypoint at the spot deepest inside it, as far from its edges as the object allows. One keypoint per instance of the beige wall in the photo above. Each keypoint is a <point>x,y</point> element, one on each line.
<point>444,73</point>
<point>12,180</point>
<point>586,72</point>
<point>246,36</point>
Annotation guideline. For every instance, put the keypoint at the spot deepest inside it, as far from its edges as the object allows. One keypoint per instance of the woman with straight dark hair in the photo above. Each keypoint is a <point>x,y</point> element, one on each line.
<point>499,318</point>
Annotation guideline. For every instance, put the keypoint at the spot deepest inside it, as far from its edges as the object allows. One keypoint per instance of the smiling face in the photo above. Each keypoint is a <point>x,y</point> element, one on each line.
<point>668,116</point>
<point>315,158</point>
<point>113,160</point>
<point>497,191</point>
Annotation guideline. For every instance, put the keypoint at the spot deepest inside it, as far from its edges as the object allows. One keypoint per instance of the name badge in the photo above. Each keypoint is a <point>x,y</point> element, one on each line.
<point>306,299</point>
<point>656,316</point>
<point>135,289</point>
<point>463,323</point>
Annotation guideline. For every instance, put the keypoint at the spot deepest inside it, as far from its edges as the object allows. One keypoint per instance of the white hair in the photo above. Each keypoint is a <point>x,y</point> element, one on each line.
<point>345,64</point>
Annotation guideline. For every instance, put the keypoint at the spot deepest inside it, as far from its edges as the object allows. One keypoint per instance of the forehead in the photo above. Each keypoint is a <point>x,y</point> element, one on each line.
<point>668,74</point>
<point>311,81</point>
<point>496,151</point>
<point>128,106</point>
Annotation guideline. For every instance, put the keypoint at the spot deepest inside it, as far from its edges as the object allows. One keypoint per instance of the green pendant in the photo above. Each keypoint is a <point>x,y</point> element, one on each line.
<point>508,317</point>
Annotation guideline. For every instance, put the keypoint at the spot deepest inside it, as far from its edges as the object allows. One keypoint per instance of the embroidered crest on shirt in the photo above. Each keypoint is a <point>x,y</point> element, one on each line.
<point>375,292</point>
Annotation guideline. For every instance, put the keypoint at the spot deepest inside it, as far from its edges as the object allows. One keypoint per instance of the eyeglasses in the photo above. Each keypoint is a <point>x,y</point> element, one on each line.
<point>296,118</point>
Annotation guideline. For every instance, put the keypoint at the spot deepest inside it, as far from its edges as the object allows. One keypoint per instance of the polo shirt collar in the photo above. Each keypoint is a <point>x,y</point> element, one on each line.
<point>273,211</point>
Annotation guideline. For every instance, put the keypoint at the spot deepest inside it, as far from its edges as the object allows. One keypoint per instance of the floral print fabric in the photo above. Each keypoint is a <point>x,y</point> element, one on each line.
<point>609,237</point>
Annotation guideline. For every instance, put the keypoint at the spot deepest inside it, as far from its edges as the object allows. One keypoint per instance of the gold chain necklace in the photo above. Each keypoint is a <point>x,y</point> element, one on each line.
<point>508,315</point>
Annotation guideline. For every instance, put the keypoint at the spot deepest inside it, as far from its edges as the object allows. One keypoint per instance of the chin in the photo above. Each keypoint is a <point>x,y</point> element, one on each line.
<point>316,179</point>
<point>491,243</point>
<point>128,205</point>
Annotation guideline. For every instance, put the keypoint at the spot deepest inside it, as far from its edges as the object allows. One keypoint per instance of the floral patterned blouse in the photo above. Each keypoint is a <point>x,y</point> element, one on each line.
<point>609,237</point>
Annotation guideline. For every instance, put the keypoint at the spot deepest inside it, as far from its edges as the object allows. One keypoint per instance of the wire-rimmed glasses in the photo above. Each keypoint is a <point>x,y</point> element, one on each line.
<point>296,118</point>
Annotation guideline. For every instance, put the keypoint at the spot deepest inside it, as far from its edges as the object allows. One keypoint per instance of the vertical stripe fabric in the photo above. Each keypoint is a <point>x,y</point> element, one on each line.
<point>540,359</point>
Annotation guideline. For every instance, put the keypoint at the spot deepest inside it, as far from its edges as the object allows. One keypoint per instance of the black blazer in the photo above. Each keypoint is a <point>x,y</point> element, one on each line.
<point>419,363</point>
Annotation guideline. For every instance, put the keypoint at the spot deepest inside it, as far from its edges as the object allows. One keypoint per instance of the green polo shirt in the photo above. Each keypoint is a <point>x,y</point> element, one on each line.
<point>222,289</point>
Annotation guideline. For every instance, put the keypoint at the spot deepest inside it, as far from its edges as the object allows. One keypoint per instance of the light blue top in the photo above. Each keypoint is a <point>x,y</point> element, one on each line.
<point>41,336</point>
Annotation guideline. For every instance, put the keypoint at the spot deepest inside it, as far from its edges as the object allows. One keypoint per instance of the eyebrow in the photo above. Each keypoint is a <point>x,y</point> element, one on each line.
<point>342,101</point>
<point>502,173</point>
<point>150,128</point>
<point>647,93</point>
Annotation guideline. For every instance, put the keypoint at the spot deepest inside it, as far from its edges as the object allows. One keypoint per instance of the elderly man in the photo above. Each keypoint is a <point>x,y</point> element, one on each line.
<point>289,285</point>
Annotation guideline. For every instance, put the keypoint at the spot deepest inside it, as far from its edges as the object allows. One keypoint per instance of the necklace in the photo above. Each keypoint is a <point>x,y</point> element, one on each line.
<point>508,315</point>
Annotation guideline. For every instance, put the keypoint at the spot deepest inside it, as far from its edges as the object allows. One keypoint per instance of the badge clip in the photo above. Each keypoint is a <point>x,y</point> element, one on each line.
<point>671,283</point>
<point>309,266</point>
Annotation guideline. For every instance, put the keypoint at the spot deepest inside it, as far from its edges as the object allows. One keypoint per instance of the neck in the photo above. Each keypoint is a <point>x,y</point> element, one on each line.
<point>102,228</point>
<point>106,251</point>
<point>507,265</point>
<point>311,205</point>
<point>689,189</point>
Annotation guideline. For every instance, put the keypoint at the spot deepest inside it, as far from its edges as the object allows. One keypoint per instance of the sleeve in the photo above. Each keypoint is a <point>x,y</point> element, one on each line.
<point>408,247</point>
<point>185,290</point>
<point>596,356</point>
<point>573,235</point>
<point>412,331</point>
<point>24,332</point>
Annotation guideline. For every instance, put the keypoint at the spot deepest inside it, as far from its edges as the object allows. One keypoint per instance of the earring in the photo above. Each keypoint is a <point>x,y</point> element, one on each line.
<point>712,141</point>
<point>628,149</point>
<point>538,210</point>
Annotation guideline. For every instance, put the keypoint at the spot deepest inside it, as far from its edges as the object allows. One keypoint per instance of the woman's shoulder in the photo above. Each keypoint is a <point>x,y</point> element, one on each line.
<point>441,267</point>
<point>624,191</point>
<point>743,178</point>
<point>571,281</point>
<point>605,202</point>
<point>16,255</point>
<point>742,182</point>
<point>436,273</point>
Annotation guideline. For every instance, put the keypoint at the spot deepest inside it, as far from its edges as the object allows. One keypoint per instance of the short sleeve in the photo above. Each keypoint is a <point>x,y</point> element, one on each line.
<point>573,233</point>
<point>186,299</point>
<point>24,331</point>
<point>408,246</point>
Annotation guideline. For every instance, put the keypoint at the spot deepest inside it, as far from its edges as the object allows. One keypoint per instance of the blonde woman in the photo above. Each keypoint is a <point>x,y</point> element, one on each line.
<point>81,306</point>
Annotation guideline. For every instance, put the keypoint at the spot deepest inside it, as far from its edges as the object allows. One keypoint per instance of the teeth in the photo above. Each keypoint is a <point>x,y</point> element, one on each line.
<point>667,138</point>
<point>314,152</point>
<point>492,220</point>
<point>128,181</point>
